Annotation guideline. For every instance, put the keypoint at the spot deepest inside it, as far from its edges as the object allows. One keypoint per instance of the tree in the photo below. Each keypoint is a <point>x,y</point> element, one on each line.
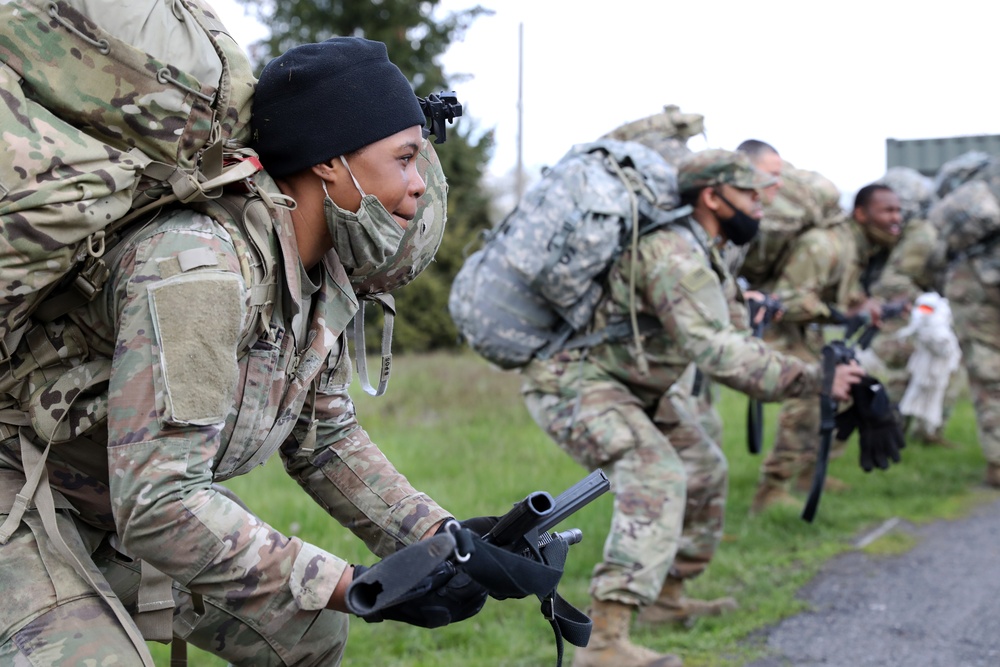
<point>415,40</point>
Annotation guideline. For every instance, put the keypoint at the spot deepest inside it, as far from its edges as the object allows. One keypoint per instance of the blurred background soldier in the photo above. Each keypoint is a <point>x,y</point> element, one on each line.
<point>968,217</point>
<point>811,257</point>
<point>898,275</point>
<point>606,409</point>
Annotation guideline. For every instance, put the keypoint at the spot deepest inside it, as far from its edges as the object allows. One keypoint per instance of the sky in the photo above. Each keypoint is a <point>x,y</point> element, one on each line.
<point>826,83</point>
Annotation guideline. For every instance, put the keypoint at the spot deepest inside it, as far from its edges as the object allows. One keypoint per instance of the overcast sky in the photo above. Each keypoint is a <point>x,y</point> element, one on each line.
<point>825,82</point>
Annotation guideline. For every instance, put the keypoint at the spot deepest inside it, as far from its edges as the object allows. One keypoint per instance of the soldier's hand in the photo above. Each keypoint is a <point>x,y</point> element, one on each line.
<point>879,434</point>
<point>447,595</point>
<point>844,377</point>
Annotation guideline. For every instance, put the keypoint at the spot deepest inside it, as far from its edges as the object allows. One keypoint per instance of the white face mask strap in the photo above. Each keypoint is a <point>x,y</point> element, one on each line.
<point>356,184</point>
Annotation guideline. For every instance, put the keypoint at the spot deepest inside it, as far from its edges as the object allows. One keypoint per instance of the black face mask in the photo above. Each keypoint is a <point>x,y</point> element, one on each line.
<point>740,228</point>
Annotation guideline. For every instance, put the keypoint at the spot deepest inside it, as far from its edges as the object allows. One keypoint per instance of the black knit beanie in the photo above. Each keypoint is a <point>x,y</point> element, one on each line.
<point>318,101</point>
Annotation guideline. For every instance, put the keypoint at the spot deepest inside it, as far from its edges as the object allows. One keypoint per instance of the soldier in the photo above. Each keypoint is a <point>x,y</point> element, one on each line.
<point>765,158</point>
<point>818,282</point>
<point>898,275</point>
<point>968,217</point>
<point>164,400</point>
<point>668,476</point>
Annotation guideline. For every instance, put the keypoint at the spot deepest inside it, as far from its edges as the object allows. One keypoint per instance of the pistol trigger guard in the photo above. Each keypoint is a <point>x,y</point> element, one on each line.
<point>453,527</point>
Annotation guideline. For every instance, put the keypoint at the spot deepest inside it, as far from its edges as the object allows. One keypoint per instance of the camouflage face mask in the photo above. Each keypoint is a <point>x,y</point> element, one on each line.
<point>366,239</point>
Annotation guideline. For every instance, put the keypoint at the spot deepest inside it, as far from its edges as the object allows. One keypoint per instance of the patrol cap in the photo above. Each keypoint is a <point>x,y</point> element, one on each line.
<point>717,166</point>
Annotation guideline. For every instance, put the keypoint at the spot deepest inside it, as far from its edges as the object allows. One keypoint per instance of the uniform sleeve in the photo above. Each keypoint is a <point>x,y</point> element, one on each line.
<point>687,297</point>
<point>178,304</point>
<point>349,476</point>
<point>812,268</point>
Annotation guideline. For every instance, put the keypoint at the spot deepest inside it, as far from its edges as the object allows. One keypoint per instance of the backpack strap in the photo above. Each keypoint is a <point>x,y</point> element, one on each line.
<point>358,338</point>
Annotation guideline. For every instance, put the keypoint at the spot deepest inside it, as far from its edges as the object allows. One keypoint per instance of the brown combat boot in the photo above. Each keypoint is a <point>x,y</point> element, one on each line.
<point>674,607</point>
<point>771,494</point>
<point>993,475</point>
<point>804,482</point>
<point>609,644</point>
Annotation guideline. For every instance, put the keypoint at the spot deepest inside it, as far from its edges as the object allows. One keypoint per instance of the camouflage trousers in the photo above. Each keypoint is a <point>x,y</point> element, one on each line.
<point>668,477</point>
<point>52,617</point>
<point>982,365</point>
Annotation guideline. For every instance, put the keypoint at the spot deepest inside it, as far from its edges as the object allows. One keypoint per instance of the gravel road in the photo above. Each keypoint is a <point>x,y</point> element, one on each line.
<point>937,605</point>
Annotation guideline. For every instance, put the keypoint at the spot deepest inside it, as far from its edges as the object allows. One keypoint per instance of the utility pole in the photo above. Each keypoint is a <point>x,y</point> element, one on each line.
<point>520,109</point>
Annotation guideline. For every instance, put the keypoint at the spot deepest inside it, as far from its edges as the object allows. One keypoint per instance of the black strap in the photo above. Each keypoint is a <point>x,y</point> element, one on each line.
<point>755,425</point>
<point>828,414</point>
<point>507,574</point>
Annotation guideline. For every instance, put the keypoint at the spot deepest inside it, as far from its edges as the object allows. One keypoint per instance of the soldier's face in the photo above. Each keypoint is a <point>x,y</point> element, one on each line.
<point>883,214</point>
<point>388,170</point>
<point>747,201</point>
<point>770,164</point>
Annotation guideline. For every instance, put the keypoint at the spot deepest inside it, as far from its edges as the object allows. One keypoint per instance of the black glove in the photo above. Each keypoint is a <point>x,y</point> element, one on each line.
<point>879,434</point>
<point>447,595</point>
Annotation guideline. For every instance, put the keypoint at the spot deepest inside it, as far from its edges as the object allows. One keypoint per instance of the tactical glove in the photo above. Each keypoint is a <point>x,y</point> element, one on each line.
<point>447,595</point>
<point>879,434</point>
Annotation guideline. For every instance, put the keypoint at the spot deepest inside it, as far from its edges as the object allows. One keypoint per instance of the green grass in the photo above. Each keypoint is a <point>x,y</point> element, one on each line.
<point>459,431</point>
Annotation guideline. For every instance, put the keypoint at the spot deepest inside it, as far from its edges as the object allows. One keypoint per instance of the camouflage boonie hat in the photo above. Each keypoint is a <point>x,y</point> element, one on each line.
<point>717,166</point>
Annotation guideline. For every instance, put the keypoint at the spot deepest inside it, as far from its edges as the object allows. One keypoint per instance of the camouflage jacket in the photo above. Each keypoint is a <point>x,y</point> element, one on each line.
<point>906,274</point>
<point>682,283</point>
<point>187,407</point>
<point>824,267</point>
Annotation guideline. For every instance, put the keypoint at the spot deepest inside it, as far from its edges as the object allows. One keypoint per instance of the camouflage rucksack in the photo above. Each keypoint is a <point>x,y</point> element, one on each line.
<point>665,132</point>
<point>105,118</point>
<point>533,287</point>
<point>968,216</point>
<point>805,200</point>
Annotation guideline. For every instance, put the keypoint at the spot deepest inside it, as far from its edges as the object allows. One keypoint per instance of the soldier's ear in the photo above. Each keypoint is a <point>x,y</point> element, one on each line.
<point>330,170</point>
<point>708,199</point>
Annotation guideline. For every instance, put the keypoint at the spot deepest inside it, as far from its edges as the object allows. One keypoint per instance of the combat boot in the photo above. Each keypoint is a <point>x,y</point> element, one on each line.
<point>993,475</point>
<point>609,644</point>
<point>674,607</point>
<point>771,494</point>
<point>804,482</point>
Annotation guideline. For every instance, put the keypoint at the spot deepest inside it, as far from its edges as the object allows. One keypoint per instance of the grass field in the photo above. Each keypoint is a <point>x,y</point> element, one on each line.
<point>459,431</point>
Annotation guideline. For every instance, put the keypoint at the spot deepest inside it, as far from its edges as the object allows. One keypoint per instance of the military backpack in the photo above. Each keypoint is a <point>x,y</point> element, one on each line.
<point>532,289</point>
<point>805,200</point>
<point>109,111</point>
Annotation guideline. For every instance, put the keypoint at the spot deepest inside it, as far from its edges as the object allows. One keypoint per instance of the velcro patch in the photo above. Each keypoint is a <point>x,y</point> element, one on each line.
<point>697,279</point>
<point>198,318</point>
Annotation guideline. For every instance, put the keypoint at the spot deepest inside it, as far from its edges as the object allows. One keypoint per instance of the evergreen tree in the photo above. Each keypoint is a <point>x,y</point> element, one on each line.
<point>415,41</point>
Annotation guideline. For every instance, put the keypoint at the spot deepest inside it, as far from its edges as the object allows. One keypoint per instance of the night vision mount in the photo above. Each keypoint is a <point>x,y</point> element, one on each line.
<point>440,108</point>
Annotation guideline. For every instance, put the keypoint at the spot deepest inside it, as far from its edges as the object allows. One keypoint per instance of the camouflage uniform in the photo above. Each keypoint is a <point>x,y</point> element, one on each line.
<point>175,404</point>
<point>969,217</point>
<point>823,268</point>
<point>669,477</point>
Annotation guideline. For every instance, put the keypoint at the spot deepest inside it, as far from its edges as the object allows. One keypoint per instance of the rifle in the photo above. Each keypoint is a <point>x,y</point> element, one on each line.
<point>834,354</point>
<point>516,558</point>
<point>755,409</point>
<point>524,529</point>
<point>868,330</point>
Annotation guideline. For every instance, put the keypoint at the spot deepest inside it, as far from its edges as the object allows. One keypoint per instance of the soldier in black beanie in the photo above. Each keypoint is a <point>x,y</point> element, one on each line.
<point>337,125</point>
